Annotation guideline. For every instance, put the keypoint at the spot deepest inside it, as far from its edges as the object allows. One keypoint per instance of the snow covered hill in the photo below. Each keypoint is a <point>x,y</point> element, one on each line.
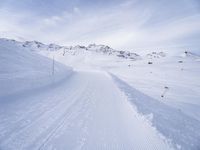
<point>22,71</point>
<point>156,55</point>
<point>191,55</point>
<point>106,99</point>
<point>101,49</point>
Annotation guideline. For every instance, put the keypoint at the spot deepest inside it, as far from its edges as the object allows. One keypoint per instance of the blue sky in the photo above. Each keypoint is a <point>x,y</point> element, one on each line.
<point>127,24</point>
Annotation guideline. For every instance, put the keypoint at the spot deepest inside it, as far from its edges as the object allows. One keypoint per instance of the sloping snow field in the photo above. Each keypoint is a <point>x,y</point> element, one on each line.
<point>22,72</point>
<point>102,103</point>
<point>87,111</point>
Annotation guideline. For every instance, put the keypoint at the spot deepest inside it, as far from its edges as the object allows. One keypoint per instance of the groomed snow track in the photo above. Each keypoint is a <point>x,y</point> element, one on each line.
<point>88,112</point>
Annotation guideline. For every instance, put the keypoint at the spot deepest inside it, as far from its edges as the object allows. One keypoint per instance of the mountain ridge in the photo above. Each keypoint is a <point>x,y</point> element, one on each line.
<point>103,49</point>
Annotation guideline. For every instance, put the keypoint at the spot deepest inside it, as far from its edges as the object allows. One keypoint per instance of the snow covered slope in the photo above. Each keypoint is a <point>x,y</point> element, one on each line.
<point>87,112</point>
<point>113,99</point>
<point>22,71</point>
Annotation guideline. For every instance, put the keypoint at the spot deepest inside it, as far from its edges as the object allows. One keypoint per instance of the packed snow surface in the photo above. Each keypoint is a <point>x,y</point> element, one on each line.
<point>105,99</point>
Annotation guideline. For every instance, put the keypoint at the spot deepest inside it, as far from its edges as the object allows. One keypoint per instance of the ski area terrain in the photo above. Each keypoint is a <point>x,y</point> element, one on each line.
<point>94,97</point>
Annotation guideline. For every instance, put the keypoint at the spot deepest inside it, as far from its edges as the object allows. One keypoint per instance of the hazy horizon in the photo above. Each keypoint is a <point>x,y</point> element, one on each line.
<point>129,24</point>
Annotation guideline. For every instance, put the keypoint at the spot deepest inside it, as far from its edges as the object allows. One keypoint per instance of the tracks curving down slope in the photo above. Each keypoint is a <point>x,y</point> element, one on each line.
<point>88,112</point>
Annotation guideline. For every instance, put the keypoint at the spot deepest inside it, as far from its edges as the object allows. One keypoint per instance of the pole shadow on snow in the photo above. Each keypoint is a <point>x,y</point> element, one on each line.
<point>178,127</point>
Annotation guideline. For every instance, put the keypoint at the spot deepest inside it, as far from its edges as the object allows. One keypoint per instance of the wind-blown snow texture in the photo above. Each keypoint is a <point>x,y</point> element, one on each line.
<point>110,99</point>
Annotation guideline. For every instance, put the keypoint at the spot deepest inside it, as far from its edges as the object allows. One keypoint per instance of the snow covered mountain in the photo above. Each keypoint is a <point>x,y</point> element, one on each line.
<point>104,100</point>
<point>101,49</point>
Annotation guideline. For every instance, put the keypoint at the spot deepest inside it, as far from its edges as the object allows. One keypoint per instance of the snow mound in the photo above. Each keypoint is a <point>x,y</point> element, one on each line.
<point>187,54</point>
<point>156,55</point>
<point>23,71</point>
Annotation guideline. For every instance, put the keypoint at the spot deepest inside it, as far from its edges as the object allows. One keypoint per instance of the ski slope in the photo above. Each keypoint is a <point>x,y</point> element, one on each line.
<point>100,102</point>
<point>87,111</point>
<point>65,110</point>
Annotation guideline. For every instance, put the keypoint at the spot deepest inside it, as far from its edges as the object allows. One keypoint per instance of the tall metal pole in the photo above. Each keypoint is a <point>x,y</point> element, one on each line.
<point>53,66</point>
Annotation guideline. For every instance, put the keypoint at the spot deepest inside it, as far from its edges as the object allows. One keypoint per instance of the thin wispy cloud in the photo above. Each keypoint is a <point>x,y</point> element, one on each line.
<point>130,24</point>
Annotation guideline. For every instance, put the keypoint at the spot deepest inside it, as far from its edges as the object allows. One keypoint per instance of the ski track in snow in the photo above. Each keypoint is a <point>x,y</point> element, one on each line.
<point>88,111</point>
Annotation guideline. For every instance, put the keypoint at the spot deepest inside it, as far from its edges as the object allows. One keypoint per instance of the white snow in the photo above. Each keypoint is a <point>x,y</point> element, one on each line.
<point>109,100</point>
<point>23,72</point>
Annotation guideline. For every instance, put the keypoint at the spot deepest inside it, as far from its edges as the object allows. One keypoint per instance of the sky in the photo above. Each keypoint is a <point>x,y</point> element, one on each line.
<point>121,24</point>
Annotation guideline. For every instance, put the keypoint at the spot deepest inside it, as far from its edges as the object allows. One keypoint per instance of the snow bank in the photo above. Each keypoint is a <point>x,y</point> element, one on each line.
<point>22,71</point>
<point>182,130</point>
